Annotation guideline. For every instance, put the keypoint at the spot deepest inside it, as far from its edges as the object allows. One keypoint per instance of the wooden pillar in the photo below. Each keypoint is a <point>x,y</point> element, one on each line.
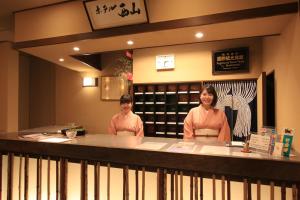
<point>63,178</point>
<point>39,178</point>
<point>26,171</point>
<point>97,181</point>
<point>283,191</point>
<point>48,177</point>
<point>10,175</point>
<point>228,190</point>
<point>137,184</point>
<point>83,180</point>
<point>258,184</point>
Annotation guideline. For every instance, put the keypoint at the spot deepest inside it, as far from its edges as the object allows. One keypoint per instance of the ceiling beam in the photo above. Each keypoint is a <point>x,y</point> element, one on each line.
<point>167,25</point>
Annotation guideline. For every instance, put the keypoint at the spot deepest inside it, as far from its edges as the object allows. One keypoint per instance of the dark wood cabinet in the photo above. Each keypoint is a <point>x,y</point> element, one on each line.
<point>163,107</point>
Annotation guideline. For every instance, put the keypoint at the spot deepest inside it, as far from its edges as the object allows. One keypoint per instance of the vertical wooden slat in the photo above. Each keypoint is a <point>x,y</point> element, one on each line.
<point>176,185</point>
<point>249,190</point>
<point>196,185</point>
<point>39,179</point>
<point>201,188</point>
<point>228,190</point>
<point>298,191</point>
<point>245,189</point>
<point>283,191</point>
<point>165,184</point>
<point>126,183</point>
<point>0,176</point>
<point>294,192</point>
<point>172,185</point>
<point>48,178</point>
<point>137,184</point>
<point>10,173</point>
<point>97,181</point>
<point>26,168</point>
<point>108,181</point>
<point>223,187</point>
<point>63,178</point>
<point>214,186</point>
<point>83,181</point>
<point>191,188</point>
<point>258,184</point>
<point>272,191</point>
<point>57,179</point>
<point>20,177</point>
<point>158,184</point>
<point>143,183</point>
<point>181,185</point>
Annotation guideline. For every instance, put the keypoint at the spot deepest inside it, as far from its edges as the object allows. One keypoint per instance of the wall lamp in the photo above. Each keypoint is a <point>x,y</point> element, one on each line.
<point>90,82</point>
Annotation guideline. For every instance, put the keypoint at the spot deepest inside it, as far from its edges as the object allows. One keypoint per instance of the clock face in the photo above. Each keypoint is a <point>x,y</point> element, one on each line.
<point>165,62</point>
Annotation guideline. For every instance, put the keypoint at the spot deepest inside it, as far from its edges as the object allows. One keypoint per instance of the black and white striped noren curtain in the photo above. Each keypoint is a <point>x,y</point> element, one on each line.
<point>239,101</point>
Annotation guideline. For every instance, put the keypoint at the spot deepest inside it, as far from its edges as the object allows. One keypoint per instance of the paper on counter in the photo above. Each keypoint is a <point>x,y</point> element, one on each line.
<point>35,136</point>
<point>251,155</point>
<point>55,140</point>
<point>182,147</point>
<point>218,150</point>
<point>151,145</point>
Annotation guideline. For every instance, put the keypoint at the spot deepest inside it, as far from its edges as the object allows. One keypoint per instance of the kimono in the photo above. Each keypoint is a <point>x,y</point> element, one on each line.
<point>211,123</point>
<point>126,124</point>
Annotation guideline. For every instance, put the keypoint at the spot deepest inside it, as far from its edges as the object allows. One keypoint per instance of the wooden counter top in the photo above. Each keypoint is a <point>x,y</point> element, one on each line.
<point>121,150</point>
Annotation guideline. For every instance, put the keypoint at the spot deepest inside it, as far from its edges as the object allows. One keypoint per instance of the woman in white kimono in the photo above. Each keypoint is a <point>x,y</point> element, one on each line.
<point>205,122</point>
<point>126,122</point>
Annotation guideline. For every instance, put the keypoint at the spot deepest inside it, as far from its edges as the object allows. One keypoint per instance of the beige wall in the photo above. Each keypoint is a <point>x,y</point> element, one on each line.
<point>3,88</point>
<point>51,21</point>
<point>41,93</point>
<point>176,9</point>
<point>24,61</point>
<point>37,92</point>
<point>9,65</point>
<point>281,53</point>
<point>81,105</point>
<point>193,62</point>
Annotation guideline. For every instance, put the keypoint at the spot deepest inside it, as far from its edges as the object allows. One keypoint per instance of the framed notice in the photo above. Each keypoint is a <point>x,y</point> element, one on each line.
<point>113,13</point>
<point>260,142</point>
<point>230,61</point>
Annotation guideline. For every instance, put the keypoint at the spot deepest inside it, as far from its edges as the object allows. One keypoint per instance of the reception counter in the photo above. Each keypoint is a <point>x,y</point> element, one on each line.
<point>161,155</point>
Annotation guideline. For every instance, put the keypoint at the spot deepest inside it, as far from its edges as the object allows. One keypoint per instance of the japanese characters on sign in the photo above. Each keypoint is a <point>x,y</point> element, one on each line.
<point>231,61</point>
<point>112,13</point>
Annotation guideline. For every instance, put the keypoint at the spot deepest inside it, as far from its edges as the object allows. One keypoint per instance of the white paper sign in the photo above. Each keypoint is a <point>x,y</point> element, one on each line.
<point>112,13</point>
<point>278,149</point>
<point>259,142</point>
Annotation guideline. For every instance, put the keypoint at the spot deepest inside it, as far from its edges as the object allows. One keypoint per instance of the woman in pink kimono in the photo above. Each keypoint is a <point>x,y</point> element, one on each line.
<point>126,122</point>
<point>205,122</point>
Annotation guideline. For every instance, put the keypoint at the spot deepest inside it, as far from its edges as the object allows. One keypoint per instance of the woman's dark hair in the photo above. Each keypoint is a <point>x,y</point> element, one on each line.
<point>126,98</point>
<point>210,90</point>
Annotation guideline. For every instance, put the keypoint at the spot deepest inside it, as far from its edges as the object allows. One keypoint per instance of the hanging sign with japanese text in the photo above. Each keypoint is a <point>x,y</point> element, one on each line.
<point>113,13</point>
<point>229,61</point>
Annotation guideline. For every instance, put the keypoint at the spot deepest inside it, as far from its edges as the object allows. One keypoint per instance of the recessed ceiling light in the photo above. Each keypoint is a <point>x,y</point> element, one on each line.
<point>61,60</point>
<point>76,48</point>
<point>130,42</point>
<point>199,35</point>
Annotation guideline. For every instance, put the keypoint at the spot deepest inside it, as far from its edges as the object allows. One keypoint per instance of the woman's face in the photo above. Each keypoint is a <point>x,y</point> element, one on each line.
<point>206,98</point>
<point>126,107</point>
